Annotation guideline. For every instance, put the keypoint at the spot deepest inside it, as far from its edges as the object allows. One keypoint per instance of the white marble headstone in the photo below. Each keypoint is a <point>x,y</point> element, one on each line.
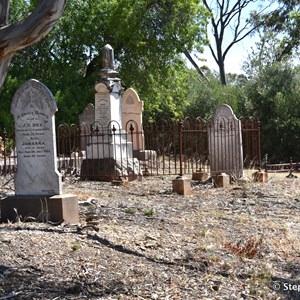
<point>107,105</point>
<point>33,108</point>
<point>225,142</point>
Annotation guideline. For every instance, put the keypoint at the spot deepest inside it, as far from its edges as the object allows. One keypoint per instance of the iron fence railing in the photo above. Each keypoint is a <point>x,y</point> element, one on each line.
<point>165,148</point>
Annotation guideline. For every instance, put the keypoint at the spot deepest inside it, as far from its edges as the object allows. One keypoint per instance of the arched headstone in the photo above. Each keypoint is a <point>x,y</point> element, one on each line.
<point>225,142</point>
<point>33,108</point>
<point>132,114</point>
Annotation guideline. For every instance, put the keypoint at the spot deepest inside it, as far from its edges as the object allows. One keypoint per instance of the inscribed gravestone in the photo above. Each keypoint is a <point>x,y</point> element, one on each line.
<point>33,108</point>
<point>107,104</point>
<point>132,114</point>
<point>225,142</point>
<point>87,117</point>
<point>86,120</point>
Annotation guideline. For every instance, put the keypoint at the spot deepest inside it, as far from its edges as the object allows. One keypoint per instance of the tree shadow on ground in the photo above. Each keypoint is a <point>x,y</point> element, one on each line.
<point>26,283</point>
<point>187,263</point>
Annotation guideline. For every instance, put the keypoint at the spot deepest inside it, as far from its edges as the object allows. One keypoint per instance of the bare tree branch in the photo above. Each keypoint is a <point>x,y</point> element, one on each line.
<point>4,64</point>
<point>195,65</point>
<point>14,37</point>
<point>17,36</point>
<point>227,15</point>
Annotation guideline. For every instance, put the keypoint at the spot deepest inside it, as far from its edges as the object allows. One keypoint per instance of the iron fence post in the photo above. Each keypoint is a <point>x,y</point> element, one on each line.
<point>4,152</point>
<point>180,147</point>
<point>259,154</point>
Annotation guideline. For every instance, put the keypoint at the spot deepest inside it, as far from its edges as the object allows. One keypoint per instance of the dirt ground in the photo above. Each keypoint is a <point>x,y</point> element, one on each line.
<point>142,241</point>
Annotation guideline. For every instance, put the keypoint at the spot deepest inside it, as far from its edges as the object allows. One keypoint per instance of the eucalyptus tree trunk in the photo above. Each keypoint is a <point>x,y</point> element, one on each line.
<point>14,37</point>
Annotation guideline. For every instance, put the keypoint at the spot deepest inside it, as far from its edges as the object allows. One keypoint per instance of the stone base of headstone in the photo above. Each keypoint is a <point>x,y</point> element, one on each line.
<point>109,169</point>
<point>260,176</point>
<point>200,176</point>
<point>57,208</point>
<point>182,186</point>
<point>221,180</point>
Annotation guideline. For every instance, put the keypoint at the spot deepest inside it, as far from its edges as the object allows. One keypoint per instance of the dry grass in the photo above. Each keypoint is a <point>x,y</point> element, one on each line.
<point>240,242</point>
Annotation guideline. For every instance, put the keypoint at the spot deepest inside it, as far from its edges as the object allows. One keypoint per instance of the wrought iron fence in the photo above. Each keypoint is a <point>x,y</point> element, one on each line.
<point>165,148</point>
<point>183,147</point>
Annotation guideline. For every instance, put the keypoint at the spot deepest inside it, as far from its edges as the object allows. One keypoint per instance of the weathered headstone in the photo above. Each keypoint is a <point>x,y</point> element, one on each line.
<point>87,117</point>
<point>38,185</point>
<point>225,142</point>
<point>33,108</point>
<point>86,120</point>
<point>132,115</point>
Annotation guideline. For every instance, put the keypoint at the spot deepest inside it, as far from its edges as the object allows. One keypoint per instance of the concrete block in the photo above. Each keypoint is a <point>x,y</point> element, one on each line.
<point>260,176</point>
<point>221,180</point>
<point>200,176</point>
<point>57,208</point>
<point>182,186</point>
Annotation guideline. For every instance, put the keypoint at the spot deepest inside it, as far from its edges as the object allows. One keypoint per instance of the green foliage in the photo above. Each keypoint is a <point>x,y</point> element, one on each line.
<point>147,41</point>
<point>149,38</point>
<point>149,212</point>
<point>284,24</point>
<point>205,96</point>
<point>274,96</point>
<point>130,211</point>
<point>76,247</point>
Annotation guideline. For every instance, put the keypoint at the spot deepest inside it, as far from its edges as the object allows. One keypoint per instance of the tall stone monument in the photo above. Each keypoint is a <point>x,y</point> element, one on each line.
<point>108,92</point>
<point>38,184</point>
<point>109,153</point>
<point>225,142</point>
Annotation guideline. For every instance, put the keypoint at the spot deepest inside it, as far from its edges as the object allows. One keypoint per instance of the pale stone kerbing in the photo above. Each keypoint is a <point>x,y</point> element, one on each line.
<point>33,108</point>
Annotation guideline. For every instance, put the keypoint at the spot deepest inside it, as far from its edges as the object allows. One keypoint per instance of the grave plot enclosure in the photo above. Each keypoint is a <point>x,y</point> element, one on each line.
<point>173,148</point>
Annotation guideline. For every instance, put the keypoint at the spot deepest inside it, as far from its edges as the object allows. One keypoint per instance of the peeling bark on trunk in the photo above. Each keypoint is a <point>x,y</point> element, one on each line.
<point>4,8</point>
<point>14,37</point>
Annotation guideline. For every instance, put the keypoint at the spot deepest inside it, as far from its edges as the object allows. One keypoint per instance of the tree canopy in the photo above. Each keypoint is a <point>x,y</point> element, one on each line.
<point>282,26</point>
<point>150,39</point>
<point>148,46</point>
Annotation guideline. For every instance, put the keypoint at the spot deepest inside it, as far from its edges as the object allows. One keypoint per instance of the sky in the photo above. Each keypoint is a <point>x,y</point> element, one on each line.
<point>240,51</point>
<point>234,59</point>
